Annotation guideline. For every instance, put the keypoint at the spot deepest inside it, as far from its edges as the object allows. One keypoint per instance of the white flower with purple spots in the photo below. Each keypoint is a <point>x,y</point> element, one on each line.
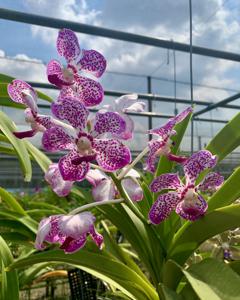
<point>85,146</point>
<point>70,231</point>
<point>104,189</point>
<point>185,198</point>
<point>87,90</point>
<point>123,105</point>
<point>21,92</point>
<point>162,145</point>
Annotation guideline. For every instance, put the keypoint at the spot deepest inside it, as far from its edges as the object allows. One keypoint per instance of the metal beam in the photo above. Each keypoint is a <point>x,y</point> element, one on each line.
<point>222,103</point>
<point>113,34</point>
<point>149,97</point>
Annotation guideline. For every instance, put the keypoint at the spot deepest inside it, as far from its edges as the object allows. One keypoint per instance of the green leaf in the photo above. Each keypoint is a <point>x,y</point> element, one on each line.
<point>11,202</point>
<point>42,160</point>
<point>168,294</point>
<point>212,279</point>
<point>98,264</point>
<point>229,135</point>
<point>192,234</point>
<point>10,289</point>
<point>7,127</point>
<point>228,192</point>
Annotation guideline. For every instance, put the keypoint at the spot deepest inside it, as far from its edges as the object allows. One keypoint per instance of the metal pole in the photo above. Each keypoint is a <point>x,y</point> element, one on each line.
<point>191,73</point>
<point>113,34</point>
<point>175,82</point>
<point>149,90</point>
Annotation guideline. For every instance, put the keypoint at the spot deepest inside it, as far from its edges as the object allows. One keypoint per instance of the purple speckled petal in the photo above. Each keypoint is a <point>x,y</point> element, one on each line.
<point>194,212</point>
<point>211,182</point>
<point>154,146</point>
<point>67,44</point>
<point>197,163</point>
<point>127,134</point>
<point>70,171</point>
<point>71,110</point>
<point>109,122</point>
<point>56,76</point>
<point>163,206</point>
<point>88,91</point>
<point>61,187</point>
<point>104,190</point>
<point>111,154</point>
<point>165,182</point>
<point>92,62</point>
<point>167,130</point>
<point>55,138</point>
<point>21,92</point>
<point>66,92</point>
<point>46,122</point>
<point>133,189</point>
<point>97,237</point>
<point>71,245</point>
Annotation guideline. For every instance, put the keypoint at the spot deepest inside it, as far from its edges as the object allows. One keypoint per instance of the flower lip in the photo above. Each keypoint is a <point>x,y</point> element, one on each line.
<point>84,143</point>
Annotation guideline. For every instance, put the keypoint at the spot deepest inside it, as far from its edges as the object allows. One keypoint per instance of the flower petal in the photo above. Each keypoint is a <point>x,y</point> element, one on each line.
<point>92,62</point>
<point>70,171</point>
<point>97,237</point>
<point>66,92</point>
<point>53,176</point>
<point>95,176</point>
<point>25,134</point>
<point>71,245</point>
<point>163,206</point>
<point>44,228</point>
<point>154,146</point>
<point>109,122</point>
<point>104,190</point>
<point>211,182</point>
<point>55,74</point>
<point>111,154</point>
<point>165,182</point>
<point>181,116</point>
<point>129,103</point>
<point>76,225</point>
<point>197,163</point>
<point>21,92</point>
<point>67,44</point>
<point>194,212</point>
<point>55,138</point>
<point>88,91</point>
<point>133,189</point>
<point>127,134</point>
<point>71,110</point>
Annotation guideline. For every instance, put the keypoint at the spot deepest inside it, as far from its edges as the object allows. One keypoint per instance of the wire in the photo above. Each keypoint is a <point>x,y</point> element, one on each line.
<point>191,72</point>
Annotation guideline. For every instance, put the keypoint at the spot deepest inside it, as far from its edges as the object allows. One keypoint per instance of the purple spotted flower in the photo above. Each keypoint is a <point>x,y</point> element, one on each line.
<point>85,146</point>
<point>104,189</point>
<point>126,104</point>
<point>22,93</point>
<point>87,90</point>
<point>53,176</point>
<point>70,231</point>
<point>162,145</point>
<point>185,198</point>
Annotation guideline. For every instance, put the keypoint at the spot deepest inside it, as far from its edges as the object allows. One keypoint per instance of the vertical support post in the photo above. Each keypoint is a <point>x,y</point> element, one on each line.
<point>149,90</point>
<point>175,81</point>
<point>191,73</point>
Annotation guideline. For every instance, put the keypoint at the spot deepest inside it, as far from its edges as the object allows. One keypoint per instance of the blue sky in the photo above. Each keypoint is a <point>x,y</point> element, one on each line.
<point>216,25</point>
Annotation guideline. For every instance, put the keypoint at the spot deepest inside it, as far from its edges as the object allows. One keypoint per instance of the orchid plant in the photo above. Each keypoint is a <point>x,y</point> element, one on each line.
<point>163,219</point>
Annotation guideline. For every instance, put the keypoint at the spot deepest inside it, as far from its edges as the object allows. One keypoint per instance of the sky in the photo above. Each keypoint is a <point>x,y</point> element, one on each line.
<point>25,50</point>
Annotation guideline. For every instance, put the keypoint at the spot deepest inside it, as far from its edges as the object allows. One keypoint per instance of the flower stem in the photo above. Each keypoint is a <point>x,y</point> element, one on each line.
<point>136,160</point>
<point>94,204</point>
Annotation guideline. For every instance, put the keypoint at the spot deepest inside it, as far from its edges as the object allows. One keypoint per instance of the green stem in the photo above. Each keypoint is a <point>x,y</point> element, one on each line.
<point>94,204</point>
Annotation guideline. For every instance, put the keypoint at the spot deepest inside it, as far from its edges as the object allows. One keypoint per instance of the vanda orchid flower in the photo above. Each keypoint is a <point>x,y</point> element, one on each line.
<point>162,145</point>
<point>70,231</point>
<point>60,186</point>
<point>104,189</point>
<point>123,105</point>
<point>87,90</point>
<point>85,146</point>
<point>185,198</point>
<point>21,92</point>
